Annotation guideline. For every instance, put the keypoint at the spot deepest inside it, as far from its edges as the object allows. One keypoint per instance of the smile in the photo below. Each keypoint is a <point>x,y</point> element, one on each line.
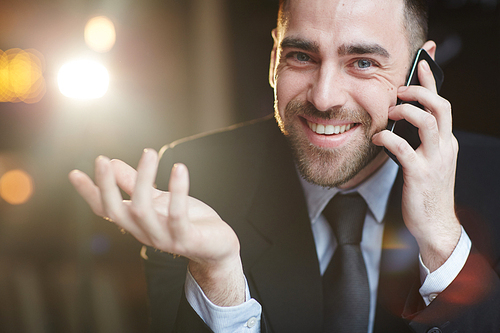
<point>329,129</point>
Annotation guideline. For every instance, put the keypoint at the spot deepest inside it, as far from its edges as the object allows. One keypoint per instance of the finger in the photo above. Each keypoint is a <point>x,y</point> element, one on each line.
<point>135,228</point>
<point>87,189</point>
<point>179,189</point>
<point>425,76</point>
<point>112,201</point>
<point>141,209</point>
<point>433,103</point>
<point>146,175</point>
<point>399,147</point>
<point>125,175</point>
<point>425,122</point>
<point>92,195</point>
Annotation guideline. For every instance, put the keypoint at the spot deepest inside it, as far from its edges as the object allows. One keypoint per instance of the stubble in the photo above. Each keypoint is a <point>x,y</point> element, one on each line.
<point>328,167</point>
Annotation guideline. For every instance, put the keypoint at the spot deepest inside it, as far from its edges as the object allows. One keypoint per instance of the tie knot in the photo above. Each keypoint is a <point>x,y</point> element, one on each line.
<point>346,215</point>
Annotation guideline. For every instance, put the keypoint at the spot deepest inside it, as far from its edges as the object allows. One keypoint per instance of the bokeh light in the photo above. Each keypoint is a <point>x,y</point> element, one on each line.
<point>83,79</point>
<point>100,34</point>
<point>16,187</point>
<point>21,76</point>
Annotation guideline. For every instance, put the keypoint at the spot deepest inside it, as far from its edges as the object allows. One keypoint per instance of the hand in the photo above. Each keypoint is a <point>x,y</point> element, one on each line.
<point>429,171</point>
<point>168,221</point>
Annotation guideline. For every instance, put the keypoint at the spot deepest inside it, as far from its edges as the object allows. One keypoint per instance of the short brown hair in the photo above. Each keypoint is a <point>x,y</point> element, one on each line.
<point>415,12</point>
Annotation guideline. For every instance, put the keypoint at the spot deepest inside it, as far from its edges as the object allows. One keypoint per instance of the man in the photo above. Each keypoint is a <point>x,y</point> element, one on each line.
<point>259,242</point>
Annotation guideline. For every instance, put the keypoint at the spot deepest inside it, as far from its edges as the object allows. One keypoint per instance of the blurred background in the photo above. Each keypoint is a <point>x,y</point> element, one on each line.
<point>80,78</point>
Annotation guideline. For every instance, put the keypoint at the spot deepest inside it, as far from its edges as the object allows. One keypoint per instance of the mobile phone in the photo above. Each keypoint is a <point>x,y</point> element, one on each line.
<point>402,127</point>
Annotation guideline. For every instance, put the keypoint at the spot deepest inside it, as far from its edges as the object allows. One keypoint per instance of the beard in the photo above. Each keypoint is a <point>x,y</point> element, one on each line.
<point>328,167</point>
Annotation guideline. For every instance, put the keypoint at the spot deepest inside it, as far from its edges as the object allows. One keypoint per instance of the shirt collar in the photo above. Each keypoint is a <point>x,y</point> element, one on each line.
<point>375,190</point>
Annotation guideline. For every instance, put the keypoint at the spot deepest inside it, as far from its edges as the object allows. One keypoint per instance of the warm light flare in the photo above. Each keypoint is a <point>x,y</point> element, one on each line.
<point>83,79</point>
<point>100,34</point>
<point>16,187</point>
<point>21,78</point>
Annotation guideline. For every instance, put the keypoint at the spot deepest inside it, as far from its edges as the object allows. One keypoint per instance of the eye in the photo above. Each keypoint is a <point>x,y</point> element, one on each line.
<point>363,63</point>
<point>302,57</point>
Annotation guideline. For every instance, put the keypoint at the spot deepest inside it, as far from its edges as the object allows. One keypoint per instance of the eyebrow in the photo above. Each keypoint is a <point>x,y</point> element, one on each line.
<point>302,44</point>
<point>343,50</point>
<point>363,49</point>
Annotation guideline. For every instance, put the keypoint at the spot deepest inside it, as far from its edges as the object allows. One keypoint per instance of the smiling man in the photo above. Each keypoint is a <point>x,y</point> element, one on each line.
<point>338,78</point>
<point>308,226</point>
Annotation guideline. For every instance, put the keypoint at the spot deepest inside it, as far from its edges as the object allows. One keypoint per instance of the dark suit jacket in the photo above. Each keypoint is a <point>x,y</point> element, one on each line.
<point>247,175</point>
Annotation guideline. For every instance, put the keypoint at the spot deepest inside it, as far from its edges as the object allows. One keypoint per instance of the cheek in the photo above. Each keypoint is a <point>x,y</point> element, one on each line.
<point>289,87</point>
<point>376,99</point>
<point>379,118</point>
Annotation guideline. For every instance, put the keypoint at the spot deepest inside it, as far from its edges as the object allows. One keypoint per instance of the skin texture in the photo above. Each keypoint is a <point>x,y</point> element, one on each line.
<point>337,62</point>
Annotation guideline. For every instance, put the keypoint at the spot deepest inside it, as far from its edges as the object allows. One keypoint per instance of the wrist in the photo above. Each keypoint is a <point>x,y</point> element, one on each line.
<point>437,245</point>
<point>222,282</point>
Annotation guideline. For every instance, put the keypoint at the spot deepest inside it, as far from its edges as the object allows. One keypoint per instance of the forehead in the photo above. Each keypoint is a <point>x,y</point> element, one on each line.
<point>348,22</point>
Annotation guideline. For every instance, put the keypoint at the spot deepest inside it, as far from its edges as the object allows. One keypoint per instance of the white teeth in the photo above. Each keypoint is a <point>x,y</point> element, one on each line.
<point>328,129</point>
<point>320,129</point>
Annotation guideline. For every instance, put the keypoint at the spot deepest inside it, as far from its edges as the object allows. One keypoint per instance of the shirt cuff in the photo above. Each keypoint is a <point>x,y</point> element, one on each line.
<point>243,318</point>
<point>434,283</point>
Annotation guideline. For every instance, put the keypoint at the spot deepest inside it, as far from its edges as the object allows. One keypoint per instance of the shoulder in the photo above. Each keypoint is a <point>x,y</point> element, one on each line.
<point>470,140</point>
<point>477,190</point>
<point>478,153</point>
<point>239,136</point>
<point>225,153</point>
<point>478,162</point>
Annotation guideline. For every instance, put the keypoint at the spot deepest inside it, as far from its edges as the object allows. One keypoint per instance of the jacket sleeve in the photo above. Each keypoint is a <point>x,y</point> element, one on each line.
<point>471,302</point>
<point>166,275</point>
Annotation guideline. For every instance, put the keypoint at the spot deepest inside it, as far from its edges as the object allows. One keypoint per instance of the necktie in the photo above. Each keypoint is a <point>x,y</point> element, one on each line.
<point>345,281</point>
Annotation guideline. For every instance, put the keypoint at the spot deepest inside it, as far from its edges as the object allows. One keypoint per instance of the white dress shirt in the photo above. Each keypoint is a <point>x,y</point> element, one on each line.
<point>375,191</point>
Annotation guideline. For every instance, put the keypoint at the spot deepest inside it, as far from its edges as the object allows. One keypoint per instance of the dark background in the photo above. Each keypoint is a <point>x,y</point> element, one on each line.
<point>64,270</point>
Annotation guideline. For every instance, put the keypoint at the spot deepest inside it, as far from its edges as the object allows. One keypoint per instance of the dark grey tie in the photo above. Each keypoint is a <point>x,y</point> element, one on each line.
<point>345,281</point>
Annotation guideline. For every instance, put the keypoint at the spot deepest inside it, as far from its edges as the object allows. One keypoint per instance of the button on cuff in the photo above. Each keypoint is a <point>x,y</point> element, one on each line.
<point>251,322</point>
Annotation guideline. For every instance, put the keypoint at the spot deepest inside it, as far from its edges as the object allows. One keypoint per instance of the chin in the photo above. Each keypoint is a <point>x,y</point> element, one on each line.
<point>332,168</point>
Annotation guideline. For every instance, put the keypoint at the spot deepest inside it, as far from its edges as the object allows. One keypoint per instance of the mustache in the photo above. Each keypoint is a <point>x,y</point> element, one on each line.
<point>298,108</point>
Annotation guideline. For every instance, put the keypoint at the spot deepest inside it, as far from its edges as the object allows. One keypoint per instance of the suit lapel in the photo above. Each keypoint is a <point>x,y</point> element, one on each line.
<point>398,267</point>
<point>286,275</point>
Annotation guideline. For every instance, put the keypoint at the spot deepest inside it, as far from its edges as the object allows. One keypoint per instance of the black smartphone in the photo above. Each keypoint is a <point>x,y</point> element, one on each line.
<point>402,127</point>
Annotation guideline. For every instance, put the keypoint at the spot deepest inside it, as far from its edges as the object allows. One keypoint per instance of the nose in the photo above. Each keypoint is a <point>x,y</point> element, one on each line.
<point>328,88</point>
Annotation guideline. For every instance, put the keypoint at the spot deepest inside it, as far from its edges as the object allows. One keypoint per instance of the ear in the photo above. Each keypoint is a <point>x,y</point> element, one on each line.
<point>430,47</point>
<point>273,61</point>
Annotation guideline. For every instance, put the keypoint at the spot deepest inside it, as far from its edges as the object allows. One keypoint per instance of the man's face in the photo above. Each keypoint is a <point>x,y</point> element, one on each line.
<point>339,64</point>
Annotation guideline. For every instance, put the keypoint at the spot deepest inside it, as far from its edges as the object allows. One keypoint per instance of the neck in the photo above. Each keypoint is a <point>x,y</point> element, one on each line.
<point>366,172</point>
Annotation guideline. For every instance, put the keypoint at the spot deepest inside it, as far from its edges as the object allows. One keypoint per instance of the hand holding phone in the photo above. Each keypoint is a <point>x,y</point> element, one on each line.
<point>402,127</point>
<point>429,172</point>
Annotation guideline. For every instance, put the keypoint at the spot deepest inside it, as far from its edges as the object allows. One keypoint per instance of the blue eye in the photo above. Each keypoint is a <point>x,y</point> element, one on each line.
<point>302,57</point>
<point>363,63</point>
